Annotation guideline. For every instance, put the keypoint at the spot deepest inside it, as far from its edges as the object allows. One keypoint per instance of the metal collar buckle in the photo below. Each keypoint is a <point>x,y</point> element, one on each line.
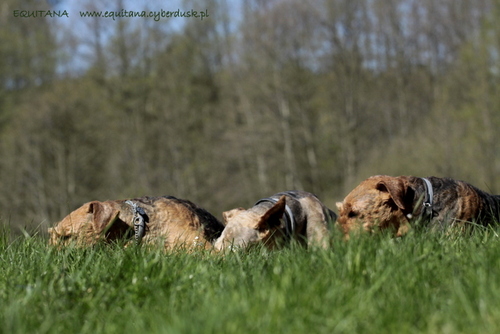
<point>428,200</point>
<point>140,220</point>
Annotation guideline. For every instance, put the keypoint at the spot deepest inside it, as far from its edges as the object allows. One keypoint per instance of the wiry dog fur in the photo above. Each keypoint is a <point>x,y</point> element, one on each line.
<point>171,221</point>
<point>264,224</point>
<point>386,202</point>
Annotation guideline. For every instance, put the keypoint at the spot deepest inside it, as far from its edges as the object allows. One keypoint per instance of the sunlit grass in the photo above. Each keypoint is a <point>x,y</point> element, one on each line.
<point>423,283</point>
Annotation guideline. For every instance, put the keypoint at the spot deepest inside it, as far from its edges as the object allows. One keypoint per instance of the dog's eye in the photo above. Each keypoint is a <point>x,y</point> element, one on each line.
<point>352,214</point>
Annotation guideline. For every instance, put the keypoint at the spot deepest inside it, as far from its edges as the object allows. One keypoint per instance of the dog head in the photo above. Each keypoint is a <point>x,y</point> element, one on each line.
<point>88,224</point>
<point>380,202</point>
<point>245,228</point>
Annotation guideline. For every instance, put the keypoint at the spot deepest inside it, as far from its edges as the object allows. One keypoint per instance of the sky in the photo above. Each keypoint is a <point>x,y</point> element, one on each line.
<point>75,7</point>
<point>75,26</point>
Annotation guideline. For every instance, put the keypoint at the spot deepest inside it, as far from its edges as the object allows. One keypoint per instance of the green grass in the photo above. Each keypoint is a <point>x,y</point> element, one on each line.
<point>424,283</point>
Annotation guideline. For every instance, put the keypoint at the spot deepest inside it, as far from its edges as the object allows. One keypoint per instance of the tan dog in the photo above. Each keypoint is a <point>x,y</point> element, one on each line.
<point>272,221</point>
<point>166,220</point>
<point>397,203</point>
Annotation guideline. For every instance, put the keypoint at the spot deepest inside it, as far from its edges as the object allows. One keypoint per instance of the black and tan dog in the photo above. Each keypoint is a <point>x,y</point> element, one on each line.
<point>397,203</point>
<point>151,220</point>
<point>273,221</point>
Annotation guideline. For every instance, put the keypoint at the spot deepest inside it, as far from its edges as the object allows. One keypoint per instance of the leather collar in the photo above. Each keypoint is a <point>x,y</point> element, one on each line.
<point>427,211</point>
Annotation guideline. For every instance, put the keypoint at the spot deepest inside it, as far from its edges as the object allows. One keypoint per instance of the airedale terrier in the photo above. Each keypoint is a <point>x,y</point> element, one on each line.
<point>166,220</point>
<point>398,203</point>
<point>273,221</point>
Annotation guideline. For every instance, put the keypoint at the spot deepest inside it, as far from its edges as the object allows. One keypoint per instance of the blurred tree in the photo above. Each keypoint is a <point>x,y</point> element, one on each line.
<point>56,156</point>
<point>28,48</point>
<point>470,104</point>
<point>27,54</point>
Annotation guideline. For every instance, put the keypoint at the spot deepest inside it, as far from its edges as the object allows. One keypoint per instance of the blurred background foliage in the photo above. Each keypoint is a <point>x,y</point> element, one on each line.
<point>262,96</point>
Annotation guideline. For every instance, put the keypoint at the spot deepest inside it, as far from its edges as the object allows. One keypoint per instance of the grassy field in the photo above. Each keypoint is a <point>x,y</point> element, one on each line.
<point>424,283</point>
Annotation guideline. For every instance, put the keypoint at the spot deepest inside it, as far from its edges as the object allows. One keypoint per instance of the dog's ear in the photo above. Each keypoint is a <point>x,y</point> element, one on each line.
<point>271,219</point>
<point>104,215</point>
<point>399,191</point>
<point>227,215</point>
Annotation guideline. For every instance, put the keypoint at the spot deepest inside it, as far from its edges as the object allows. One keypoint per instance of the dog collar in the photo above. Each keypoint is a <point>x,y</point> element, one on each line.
<point>140,220</point>
<point>287,216</point>
<point>428,199</point>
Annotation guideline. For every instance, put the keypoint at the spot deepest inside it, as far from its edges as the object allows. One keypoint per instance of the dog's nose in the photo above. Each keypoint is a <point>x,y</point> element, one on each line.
<point>219,244</point>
